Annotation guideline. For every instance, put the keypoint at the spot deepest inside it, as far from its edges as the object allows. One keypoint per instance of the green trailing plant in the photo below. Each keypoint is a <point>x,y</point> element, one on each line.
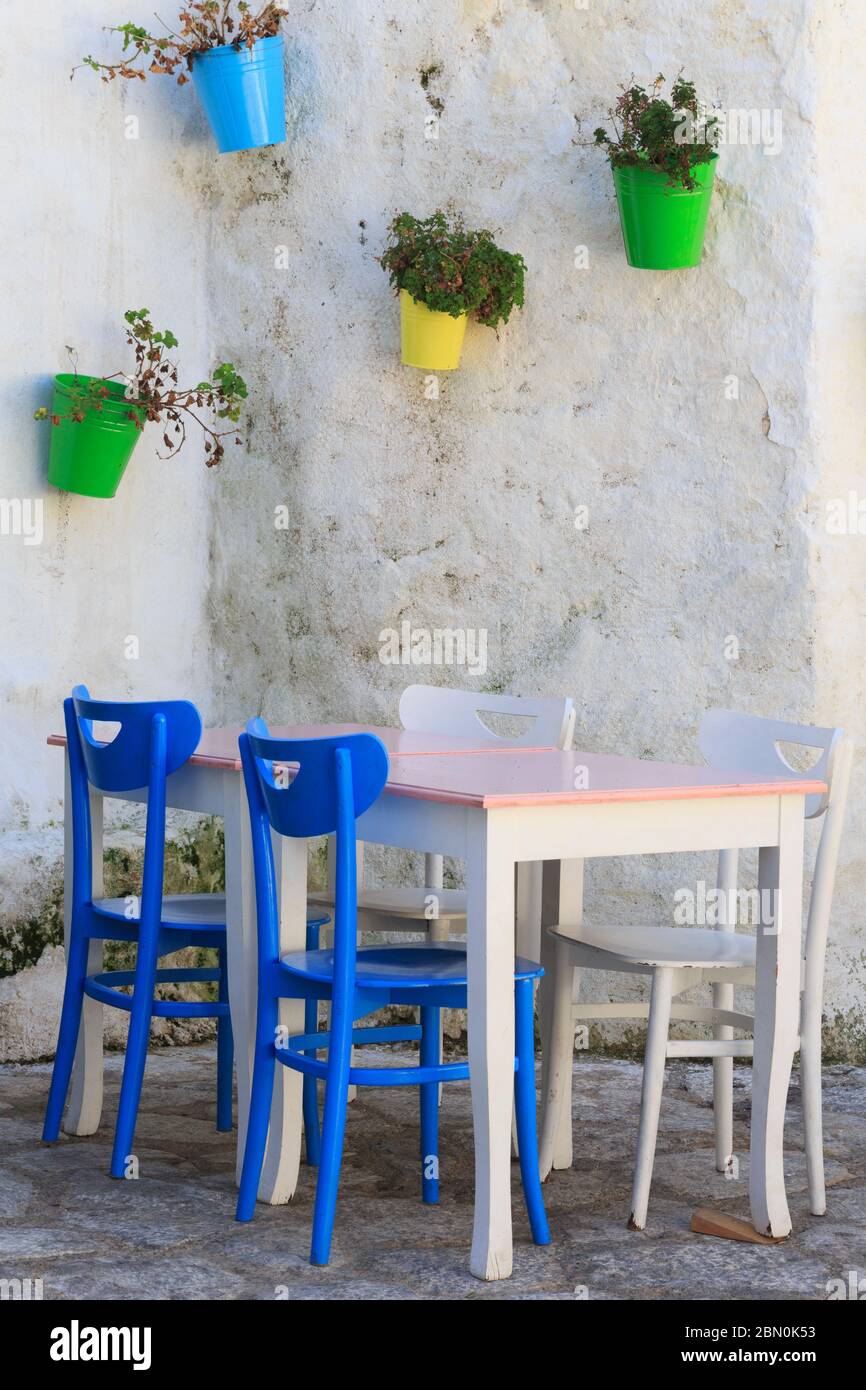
<point>670,136</point>
<point>452,270</point>
<point>154,393</point>
<point>201,24</point>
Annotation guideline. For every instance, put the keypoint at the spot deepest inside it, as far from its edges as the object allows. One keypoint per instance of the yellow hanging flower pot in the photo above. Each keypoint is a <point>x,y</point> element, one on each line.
<point>444,273</point>
<point>430,339</point>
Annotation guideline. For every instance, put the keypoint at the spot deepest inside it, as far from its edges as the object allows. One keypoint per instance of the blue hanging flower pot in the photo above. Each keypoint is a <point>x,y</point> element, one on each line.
<point>243,93</point>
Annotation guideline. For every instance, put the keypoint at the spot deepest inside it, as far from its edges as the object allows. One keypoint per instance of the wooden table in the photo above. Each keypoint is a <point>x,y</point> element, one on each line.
<point>493,809</point>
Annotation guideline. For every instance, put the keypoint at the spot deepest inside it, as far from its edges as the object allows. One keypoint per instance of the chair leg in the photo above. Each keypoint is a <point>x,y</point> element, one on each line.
<point>225,1053</point>
<point>723,1112</point>
<point>810,1087</point>
<point>67,1038</point>
<point>651,1094</point>
<point>429,1092</point>
<point>312,1136</point>
<point>524,1108</point>
<point>723,1085</point>
<point>556,1135</point>
<point>333,1132</point>
<point>136,1057</point>
<point>258,1120</point>
<point>438,929</point>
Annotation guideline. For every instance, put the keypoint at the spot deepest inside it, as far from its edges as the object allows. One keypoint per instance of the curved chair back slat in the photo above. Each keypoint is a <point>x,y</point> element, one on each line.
<point>749,743</point>
<point>155,738</point>
<point>124,764</point>
<point>299,784</point>
<point>433,709</point>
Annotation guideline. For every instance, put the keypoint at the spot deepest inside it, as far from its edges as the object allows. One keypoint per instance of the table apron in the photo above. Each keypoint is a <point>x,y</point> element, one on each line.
<point>192,788</point>
<point>565,831</point>
<point>409,823</point>
<point>601,830</point>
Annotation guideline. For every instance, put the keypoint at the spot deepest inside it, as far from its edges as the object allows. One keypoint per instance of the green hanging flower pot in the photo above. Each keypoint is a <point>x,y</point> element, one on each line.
<point>663,156</point>
<point>96,421</point>
<point>89,456</point>
<point>663,224</point>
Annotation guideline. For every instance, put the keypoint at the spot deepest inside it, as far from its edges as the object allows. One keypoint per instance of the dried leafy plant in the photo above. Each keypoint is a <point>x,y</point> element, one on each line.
<point>452,270</point>
<point>202,24</point>
<point>153,392</point>
<point>670,136</point>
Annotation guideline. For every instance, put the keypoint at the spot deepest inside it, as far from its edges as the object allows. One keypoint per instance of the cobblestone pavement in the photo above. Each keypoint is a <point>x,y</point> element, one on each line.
<point>170,1234</point>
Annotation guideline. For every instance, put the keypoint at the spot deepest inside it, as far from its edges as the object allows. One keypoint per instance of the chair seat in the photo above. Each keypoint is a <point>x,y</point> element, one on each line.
<point>408,902</point>
<point>183,911</point>
<point>700,947</point>
<point>417,965</point>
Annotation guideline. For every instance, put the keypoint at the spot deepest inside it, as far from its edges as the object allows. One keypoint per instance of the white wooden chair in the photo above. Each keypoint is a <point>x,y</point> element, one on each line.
<point>429,709</point>
<point>678,958</point>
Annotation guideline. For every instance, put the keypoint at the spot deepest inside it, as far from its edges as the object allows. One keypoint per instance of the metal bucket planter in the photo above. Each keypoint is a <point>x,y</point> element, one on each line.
<point>243,92</point>
<point>663,224</point>
<point>89,456</point>
<point>430,339</point>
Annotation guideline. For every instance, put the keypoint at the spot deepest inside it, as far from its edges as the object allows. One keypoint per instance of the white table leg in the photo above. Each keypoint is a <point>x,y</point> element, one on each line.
<point>490,948</point>
<point>84,1111</point>
<point>283,1154</point>
<point>777,999</point>
<point>241,949</point>
<point>527,932</point>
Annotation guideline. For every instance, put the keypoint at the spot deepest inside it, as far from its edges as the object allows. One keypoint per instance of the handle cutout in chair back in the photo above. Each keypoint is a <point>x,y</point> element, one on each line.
<point>124,764</point>
<point>298,778</point>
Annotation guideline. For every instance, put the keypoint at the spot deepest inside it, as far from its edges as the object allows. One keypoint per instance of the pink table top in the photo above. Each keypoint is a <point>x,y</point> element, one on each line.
<point>462,772</point>
<point>219,747</point>
<point>537,777</point>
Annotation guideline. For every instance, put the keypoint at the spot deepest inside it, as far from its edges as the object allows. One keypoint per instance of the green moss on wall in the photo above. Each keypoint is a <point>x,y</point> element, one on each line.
<point>194,863</point>
<point>22,942</point>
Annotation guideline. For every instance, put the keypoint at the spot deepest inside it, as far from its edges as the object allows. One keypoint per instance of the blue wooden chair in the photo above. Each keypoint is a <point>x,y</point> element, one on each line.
<point>154,740</point>
<point>312,1132</point>
<point>336,781</point>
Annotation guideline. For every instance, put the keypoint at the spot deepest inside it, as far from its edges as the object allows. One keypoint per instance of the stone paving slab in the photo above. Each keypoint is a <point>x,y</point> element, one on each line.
<point>171,1235</point>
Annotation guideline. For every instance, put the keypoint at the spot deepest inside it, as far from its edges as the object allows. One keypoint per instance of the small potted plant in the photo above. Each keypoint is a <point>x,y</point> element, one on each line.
<point>663,158</point>
<point>443,273</point>
<point>99,420</point>
<point>234,51</point>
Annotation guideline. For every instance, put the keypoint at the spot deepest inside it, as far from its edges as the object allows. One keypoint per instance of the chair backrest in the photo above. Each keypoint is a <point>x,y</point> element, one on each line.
<point>749,743</point>
<point>303,788</point>
<point>433,709</point>
<point>154,739</point>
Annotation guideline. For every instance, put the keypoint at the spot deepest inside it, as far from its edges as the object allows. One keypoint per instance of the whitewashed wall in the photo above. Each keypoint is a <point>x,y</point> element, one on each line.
<point>610,390</point>
<point>93,223</point>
